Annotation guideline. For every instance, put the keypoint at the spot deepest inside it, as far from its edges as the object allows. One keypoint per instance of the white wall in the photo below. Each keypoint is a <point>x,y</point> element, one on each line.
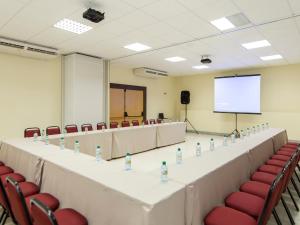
<point>30,94</point>
<point>84,90</point>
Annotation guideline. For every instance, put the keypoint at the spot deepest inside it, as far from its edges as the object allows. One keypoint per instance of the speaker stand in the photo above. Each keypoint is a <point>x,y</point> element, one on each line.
<point>186,120</point>
<point>235,131</point>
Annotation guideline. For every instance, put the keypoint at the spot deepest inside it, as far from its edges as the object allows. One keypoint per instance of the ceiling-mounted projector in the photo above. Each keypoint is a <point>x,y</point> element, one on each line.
<point>93,15</point>
<point>206,60</point>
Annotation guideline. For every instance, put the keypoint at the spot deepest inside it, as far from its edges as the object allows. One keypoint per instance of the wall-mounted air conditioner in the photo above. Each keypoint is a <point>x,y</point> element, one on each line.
<point>149,73</point>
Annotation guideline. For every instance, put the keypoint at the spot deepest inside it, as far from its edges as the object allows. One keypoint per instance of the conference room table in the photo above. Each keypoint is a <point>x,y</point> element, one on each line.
<point>116,143</point>
<point>107,194</point>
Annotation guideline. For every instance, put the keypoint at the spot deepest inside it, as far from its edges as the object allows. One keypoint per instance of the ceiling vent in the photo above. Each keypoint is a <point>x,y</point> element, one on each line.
<point>26,49</point>
<point>149,73</point>
<point>239,20</point>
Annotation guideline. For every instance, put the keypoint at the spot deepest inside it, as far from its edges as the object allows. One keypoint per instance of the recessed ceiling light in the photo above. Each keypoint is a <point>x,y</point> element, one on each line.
<point>256,44</point>
<point>222,24</point>
<point>72,26</point>
<point>200,67</point>
<point>271,57</point>
<point>137,47</point>
<point>175,59</point>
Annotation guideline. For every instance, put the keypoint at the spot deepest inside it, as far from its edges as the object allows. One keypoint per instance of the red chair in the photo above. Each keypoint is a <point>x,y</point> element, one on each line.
<point>146,122</point>
<point>135,123</point>
<point>19,195</point>
<point>113,125</point>
<point>152,121</point>
<point>125,124</point>
<point>72,128</point>
<point>86,126</point>
<point>101,126</point>
<point>29,132</point>
<point>159,121</point>
<point>52,130</point>
<point>42,215</point>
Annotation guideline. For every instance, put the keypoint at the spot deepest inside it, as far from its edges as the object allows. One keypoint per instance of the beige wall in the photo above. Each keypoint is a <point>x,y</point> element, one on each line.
<point>161,92</point>
<point>30,94</point>
<point>279,100</point>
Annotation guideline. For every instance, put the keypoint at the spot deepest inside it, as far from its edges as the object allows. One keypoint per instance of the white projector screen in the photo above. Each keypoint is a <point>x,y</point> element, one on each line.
<point>237,94</point>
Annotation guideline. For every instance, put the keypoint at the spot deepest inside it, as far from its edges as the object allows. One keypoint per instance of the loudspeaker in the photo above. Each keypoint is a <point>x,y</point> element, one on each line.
<point>185,97</point>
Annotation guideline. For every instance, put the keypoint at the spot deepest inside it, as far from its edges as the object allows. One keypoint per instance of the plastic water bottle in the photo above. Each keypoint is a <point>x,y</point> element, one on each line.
<point>77,147</point>
<point>232,138</point>
<point>263,126</point>
<point>248,132</point>
<point>164,172</point>
<point>128,161</point>
<point>253,130</point>
<point>225,141</point>
<point>212,145</point>
<point>98,154</point>
<point>198,150</point>
<point>62,143</point>
<point>242,134</point>
<point>258,128</point>
<point>35,137</point>
<point>178,156</point>
<point>43,135</point>
<point>47,139</point>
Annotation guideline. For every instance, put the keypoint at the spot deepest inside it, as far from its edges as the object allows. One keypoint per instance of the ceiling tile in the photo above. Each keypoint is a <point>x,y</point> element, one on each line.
<point>132,21</point>
<point>261,11</point>
<point>8,9</point>
<point>295,5</point>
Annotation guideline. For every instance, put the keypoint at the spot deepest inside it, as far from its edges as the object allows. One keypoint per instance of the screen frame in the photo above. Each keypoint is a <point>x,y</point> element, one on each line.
<point>246,75</point>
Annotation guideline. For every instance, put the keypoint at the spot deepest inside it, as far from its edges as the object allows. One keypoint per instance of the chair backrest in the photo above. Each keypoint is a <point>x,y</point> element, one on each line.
<point>125,124</point>
<point>52,130</point>
<point>41,214</point>
<point>146,122</point>
<point>159,120</point>
<point>87,126</point>
<point>17,202</point>
<point>273,196</point>
<point>101,126</point>
<point>135,123</point>
<point>152,121</point>
<point>72,128</point>
<point>113,125</point>
<point>29,132</point>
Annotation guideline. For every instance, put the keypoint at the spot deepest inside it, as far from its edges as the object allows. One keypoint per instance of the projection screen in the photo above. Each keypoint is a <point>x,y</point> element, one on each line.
<point>238,94</point>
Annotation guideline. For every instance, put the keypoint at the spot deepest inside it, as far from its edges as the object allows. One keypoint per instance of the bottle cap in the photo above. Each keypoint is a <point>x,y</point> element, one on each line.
<point>98,146</point>
<point>164,163</point>
<point>178,149</point>
<point>198,143</point>
<point>211,139</point>
<point>128,154</point>
<point>76,142</point>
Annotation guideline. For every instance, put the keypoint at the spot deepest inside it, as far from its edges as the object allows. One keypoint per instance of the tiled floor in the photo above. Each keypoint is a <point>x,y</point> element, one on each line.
<point>191,139</point>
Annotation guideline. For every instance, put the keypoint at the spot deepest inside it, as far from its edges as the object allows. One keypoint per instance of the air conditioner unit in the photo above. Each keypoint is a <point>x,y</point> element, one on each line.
<point>27,49</point>
<point>149,73</point>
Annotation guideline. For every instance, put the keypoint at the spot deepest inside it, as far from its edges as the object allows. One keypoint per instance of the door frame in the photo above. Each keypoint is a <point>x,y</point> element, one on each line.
<point>136,88</point>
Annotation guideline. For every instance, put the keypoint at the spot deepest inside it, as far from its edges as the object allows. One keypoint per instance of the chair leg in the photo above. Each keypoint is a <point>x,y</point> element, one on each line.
<point>276,217</point>
<point>295,186</point>
<point>2,215</point>
<point>292,197</point>
<point>297,176</point>
<point>4,219</point>
<point>288,212</point>
<point>298,167</point>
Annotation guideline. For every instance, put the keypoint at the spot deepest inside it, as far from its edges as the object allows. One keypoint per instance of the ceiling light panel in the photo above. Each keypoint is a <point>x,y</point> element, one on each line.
<point>72,26</point>
<point>256,44</point>
<point>271,57</point>
<point>175,59</point>
<point>138,47</point>
<point>201,67</point>
<point>222,24</point>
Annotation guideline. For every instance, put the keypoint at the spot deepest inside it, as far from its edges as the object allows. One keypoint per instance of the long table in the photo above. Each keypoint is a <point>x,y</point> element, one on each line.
<point>117,142</point>
<point>106,194</point>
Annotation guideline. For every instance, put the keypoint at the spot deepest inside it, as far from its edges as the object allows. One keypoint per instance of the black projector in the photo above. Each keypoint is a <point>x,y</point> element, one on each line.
<point>93,15</point>
<point>206,60</point>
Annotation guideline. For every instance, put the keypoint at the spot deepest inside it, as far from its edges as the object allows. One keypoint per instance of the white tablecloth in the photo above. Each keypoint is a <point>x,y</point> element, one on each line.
<point>170,133</point>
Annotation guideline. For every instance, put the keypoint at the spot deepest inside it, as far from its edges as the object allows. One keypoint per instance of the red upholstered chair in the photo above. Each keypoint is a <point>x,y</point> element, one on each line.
<point>135,123</point>
<point>113,125</point>
<point>29,132</point>
<point>19,195</point>
<point>159,120</point>
<point>125,124</point>
<point>72,128</point>
<point>87,126</point>
<point>146,122</point>
<point>42,215</point>
<point>101,126</point>
<point>152,121</point>
<point>52,130</point>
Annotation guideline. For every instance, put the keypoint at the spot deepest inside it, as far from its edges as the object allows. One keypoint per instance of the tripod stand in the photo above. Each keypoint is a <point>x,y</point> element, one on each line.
<point>235,131</point>
<point>187,121</point>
